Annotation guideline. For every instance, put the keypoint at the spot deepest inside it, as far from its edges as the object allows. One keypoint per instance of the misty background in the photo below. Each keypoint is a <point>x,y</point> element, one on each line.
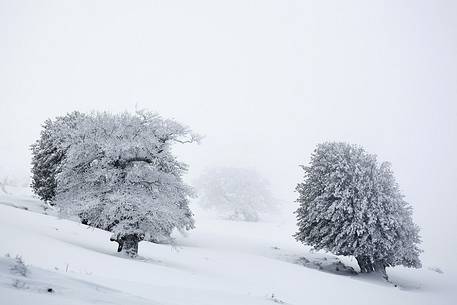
<point>263,81</point>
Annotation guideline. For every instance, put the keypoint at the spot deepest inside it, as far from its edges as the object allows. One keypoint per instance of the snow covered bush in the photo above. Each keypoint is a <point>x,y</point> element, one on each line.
<point>3,184</point>
<point>48,152</point>
<point>235,193</point>
<point>118,174</point>
<point>19,267</point>
<point>351,205</point>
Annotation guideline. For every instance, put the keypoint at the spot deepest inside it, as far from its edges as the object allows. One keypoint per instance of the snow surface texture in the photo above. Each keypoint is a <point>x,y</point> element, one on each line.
<point>220,262</point>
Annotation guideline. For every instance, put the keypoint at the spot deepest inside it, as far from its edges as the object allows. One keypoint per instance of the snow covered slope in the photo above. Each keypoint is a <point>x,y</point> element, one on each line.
<point>220,262</point>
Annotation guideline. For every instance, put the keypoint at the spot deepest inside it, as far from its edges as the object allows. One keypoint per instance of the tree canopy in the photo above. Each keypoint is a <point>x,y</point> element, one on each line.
<point>118,173</point>
<point>351,205</point>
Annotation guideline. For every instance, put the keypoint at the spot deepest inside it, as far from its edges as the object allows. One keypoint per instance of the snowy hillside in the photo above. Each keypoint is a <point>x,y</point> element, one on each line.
<point>220,262</point>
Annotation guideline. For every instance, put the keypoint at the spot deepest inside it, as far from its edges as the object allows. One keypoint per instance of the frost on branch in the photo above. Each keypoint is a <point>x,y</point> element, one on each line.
<point>118,174</point>
<point>351,205</point>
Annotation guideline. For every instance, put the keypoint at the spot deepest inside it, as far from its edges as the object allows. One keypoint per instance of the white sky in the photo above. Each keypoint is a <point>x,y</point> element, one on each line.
<point>264,81</point>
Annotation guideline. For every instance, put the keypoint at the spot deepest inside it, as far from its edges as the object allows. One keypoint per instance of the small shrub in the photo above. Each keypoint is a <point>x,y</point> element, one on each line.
<point>19,267</point>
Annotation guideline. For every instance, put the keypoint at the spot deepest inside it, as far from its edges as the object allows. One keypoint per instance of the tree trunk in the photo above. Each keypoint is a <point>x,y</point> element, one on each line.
<point>130,245</point>
<point>364,264</point>
<point>367,265</point>
<point>380,267</point>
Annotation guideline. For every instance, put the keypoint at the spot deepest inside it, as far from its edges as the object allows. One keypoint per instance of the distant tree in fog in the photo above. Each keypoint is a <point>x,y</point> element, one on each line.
<point>117,173</point>
<point>351,205</point>
<point>235,193</point>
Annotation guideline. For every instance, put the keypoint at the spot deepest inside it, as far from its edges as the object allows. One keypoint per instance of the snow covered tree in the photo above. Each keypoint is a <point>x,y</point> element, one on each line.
<point>350,205</point>
<point>3,185</point>
<point>235,193</point>
<point>119,174</point>
<point>47,154</point>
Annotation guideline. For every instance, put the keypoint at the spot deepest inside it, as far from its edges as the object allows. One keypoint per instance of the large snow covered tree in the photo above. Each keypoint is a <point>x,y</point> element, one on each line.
<point>119,174</point>
<point>235,193</point>
<point>48,153</point>
<point>351,205</point>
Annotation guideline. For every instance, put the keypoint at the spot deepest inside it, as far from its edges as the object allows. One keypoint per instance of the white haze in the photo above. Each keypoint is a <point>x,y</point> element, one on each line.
<point>263,81</point>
